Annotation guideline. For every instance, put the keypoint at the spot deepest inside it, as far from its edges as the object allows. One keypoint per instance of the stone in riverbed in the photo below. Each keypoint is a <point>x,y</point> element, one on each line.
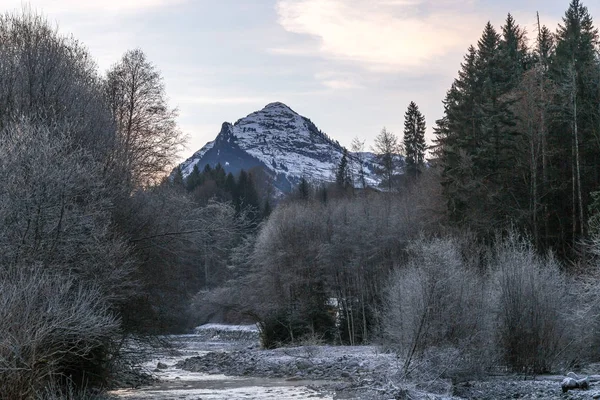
<point>570,383</point>
<point>302,365</point>
<point>161,366</point>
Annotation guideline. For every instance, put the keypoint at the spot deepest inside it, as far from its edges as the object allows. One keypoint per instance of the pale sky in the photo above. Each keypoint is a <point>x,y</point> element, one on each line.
<point>351,66</point>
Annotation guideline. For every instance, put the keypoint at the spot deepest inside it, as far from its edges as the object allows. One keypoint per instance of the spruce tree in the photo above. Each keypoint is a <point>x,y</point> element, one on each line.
<point>303,189</point>
<point>477,138</point>
<point>343,177</point>
<point>518,142</point>
<point>462,105</point>
<point>414,139</point>
<point>544,48</point>
<point>240,192</point>
<point>513,54</point>
<point>358,147</point>
<point>194,179</point>
<point>458,139</point>
<point>251,198</point>
<point>219,175</point>
<point>246,197</point>
<point>177,177</point>
<point>574,130</point>
<point>514,61</point>
<point>486,156</point>
<point>231,186</point>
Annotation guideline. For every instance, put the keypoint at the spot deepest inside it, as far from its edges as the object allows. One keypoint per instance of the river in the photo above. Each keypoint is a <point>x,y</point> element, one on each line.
<point>174,383</point>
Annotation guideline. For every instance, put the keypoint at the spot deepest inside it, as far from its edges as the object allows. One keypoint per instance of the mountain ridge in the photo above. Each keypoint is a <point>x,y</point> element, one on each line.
<point>287,145</point>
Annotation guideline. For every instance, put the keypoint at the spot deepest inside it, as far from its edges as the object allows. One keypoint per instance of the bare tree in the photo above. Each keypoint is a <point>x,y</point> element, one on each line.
<point>357,147</point>
<point>148,137</point>
<point>387,148</point>
<point>51,79</point>
<point>313,259</point>
<point>55,210</point>
<point>181,248</point>
<point>530,111</point>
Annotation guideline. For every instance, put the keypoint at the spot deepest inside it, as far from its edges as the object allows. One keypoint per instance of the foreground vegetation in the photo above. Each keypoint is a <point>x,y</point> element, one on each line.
<point>89,246</point>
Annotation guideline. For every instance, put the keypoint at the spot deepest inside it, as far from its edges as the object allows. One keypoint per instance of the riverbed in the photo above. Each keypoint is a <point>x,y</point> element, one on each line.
<point>225,362</point>
<point>174,383</point>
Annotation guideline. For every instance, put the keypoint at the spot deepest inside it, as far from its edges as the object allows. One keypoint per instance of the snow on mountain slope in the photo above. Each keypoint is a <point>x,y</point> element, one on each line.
<point>188,165</point>
<point>287,145</point>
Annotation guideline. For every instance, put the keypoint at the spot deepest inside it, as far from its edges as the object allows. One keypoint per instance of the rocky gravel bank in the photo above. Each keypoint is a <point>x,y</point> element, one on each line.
<point>301,363</point>
<point>367,373</point>
<point>545,387</point>
<point>346,370</point>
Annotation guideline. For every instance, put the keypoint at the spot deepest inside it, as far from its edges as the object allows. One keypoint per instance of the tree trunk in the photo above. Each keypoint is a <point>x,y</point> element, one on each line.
<point>573,196</point>
<point>543,132</point>
<point>534,186</point>
<point>576,143</point>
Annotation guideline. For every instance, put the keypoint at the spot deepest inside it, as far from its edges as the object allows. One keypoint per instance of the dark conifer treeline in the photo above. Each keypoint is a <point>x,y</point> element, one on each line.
<point>214,184</point>
<point>518,143</point>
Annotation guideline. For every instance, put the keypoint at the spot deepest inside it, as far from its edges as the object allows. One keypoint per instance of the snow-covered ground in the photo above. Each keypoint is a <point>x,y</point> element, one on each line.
<point>227,328</point>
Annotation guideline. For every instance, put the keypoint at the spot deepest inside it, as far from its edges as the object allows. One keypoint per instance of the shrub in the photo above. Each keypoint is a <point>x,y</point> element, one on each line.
<point>434,301</point>
<point>53,330</point>
<point>531,294</point>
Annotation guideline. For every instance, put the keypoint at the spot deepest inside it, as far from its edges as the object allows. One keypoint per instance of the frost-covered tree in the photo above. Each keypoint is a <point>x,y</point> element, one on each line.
<point>358,147</point>
<point>51,79</point>
<point>148,137</point>
<point>387,148</point>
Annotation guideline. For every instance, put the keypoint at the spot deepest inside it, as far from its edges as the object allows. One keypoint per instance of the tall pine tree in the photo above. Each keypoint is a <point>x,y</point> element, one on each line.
<point>574,128</point>
<point>414,139</point>
<point>343,176</point>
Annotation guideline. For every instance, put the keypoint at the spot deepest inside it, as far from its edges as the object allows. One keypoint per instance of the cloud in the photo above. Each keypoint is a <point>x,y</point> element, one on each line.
<point>223,100</point>
<point>337,80</point>
<point>78,6</point>
<point>381,35</point>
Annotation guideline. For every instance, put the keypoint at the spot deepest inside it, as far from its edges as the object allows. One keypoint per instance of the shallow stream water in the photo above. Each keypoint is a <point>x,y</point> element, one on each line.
<point>183,385</point>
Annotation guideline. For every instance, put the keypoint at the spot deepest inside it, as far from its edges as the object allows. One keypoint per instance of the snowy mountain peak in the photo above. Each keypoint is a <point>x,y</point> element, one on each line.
<point>285,144</point>
<point>278,106</point>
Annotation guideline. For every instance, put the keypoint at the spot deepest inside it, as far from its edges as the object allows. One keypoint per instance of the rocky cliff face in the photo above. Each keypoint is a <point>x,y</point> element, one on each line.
<point>285,144</point>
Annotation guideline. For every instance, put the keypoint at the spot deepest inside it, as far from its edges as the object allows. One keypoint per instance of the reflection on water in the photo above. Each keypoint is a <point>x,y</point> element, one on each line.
<point>254,388</point>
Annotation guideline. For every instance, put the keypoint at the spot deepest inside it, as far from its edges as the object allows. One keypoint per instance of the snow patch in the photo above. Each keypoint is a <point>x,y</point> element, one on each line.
<point>227,328</point>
